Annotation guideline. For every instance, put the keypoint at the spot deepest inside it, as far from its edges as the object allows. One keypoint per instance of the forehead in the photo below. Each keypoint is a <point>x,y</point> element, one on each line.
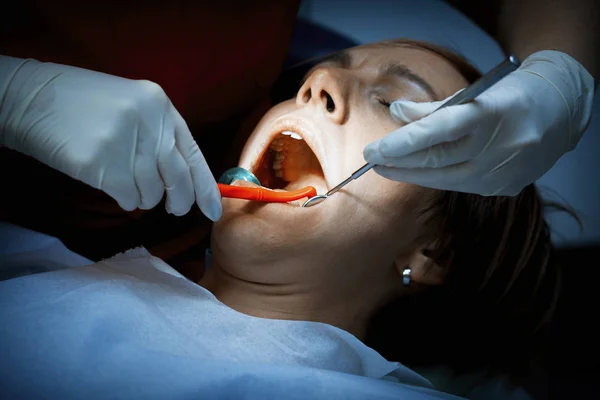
<point>432,67</point>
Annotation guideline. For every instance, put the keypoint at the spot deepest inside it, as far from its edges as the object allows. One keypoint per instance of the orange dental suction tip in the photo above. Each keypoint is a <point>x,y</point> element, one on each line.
<point>264,194</point>
<point>257,193</point>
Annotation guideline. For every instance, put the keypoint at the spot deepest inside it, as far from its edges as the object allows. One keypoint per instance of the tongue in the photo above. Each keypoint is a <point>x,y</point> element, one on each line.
<point>308,179</point>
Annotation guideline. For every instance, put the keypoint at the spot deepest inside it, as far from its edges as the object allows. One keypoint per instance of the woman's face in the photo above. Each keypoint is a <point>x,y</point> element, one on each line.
<point>342,106</point>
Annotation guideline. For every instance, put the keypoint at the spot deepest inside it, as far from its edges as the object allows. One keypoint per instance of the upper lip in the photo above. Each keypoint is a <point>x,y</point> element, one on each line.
<point>307,132</point>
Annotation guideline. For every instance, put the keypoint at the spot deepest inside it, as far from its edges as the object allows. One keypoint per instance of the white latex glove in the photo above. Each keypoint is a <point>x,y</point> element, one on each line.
<point>508,138</point>
<point>119,135</point>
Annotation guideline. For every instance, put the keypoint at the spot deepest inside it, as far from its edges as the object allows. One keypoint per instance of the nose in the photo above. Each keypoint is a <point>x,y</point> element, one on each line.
<point>324,89</point>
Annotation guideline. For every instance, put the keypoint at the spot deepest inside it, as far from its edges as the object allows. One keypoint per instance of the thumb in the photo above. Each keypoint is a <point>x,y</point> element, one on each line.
<point>409,111</point>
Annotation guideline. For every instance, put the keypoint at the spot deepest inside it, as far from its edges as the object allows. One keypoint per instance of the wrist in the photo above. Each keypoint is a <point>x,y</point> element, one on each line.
<point>571,81</point>
<point>16,93</point>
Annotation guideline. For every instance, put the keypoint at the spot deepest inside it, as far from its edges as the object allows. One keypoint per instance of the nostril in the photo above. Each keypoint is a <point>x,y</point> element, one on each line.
<point>307,95</point>
<point>330,104</point>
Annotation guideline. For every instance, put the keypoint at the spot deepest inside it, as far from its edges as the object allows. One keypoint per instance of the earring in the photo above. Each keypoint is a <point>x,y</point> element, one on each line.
<point>406,277</point>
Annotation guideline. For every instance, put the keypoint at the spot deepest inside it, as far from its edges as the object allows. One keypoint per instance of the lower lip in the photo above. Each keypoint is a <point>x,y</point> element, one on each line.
<point>243,183</point>
<point>293,203</point>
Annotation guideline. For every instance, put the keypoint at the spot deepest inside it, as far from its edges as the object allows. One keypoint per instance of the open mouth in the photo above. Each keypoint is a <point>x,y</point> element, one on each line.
<point>288,163</point>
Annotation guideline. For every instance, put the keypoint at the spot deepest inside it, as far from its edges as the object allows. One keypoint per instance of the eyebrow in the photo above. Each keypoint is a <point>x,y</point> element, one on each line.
<point>344,59</point>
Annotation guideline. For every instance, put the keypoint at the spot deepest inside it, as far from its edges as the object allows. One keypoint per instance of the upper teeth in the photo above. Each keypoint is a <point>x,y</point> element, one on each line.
<point>292,134</point>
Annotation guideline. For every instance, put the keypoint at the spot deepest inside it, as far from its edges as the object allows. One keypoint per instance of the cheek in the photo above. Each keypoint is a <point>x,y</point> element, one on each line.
<point>377,218</point>
<point>371,125</point>
<point>385,197</point>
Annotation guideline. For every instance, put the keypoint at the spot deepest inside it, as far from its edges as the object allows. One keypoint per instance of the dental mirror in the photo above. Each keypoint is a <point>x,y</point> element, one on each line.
<point>314,200</point>
<point>355,175</point>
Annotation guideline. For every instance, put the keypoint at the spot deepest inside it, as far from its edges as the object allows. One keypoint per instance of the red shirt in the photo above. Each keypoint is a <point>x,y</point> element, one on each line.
<point>215,60</point>
<point>211,58</point>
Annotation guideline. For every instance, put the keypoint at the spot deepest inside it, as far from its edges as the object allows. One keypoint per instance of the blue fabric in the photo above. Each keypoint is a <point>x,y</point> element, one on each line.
<point>131,373</point>
<point>311,40</point>
<point>24,252</point>
<point>126,331</point>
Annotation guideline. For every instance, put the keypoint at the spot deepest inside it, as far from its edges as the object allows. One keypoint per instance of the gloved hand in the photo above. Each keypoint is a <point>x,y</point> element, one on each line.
<point>508,138</point>
<point>119,135</point>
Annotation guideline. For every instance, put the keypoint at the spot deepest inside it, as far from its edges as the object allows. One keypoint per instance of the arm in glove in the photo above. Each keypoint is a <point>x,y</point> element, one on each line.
<point>506,139</point>
<point>118,135</point>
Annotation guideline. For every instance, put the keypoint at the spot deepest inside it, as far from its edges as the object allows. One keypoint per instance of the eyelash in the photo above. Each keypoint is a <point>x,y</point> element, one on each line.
<point>384,102</point>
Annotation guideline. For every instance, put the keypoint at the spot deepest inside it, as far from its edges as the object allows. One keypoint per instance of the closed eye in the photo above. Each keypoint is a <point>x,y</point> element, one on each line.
<point>384,102</point>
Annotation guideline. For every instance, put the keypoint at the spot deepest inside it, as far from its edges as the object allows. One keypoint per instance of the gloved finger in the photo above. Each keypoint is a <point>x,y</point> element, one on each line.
<point>446,125</point>
<point>446,178</point>
<point>438,156</point>
<point>410,111</point>
<point>122,188</point>
<point>175,173</point>
<point>204,184</point>
<point>145,171</point>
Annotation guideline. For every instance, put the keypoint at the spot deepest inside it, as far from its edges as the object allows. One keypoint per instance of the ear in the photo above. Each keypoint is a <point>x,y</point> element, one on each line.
<point>423,269</point>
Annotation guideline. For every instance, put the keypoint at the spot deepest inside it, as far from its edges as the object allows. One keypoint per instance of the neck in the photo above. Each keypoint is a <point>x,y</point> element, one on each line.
<point>347,310</point>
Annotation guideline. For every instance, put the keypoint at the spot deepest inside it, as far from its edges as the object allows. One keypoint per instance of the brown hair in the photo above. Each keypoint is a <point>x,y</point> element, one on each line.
<point>502,286</point>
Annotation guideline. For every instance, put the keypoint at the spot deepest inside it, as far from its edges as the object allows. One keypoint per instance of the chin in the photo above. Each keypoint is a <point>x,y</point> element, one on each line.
<point>259,238</point>
<point>252,227</point>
